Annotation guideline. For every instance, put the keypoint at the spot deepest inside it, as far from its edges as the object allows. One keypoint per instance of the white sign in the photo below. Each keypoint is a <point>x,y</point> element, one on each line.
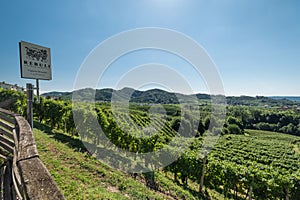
<point>35,61</point>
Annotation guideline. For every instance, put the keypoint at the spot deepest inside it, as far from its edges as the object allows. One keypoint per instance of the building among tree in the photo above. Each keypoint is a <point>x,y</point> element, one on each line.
<point>8,86</point>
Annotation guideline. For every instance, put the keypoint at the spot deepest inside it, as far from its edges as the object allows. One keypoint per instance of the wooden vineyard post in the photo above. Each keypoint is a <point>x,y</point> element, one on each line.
<point>203,173</point>
<point>29,91</point>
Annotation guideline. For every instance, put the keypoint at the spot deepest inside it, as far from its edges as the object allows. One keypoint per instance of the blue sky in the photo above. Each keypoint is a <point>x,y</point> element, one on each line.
<point>254,44</point>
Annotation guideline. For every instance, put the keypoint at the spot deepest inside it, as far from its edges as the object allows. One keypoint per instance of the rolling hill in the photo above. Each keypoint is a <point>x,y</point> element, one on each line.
<point>164,97</point>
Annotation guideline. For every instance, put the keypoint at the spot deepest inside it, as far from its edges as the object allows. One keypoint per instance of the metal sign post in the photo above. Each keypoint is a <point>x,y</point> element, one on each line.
<point>37,90</point>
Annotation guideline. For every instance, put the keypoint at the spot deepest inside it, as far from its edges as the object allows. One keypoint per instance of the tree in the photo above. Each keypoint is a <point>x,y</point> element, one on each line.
<point>234,125</point>
<point>201,128</point>
<point>234,129</point>
<point>176,124</point>
<point>233,120</point>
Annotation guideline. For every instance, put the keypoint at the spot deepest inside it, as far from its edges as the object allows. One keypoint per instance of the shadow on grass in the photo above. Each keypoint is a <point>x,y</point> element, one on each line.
<point>74,143</point>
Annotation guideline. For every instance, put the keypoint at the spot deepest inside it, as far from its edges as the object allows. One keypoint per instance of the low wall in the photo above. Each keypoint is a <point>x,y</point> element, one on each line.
<point>23,175</point>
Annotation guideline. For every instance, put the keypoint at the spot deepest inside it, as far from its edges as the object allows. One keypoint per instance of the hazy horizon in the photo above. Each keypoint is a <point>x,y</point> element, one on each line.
<point>45,92</point>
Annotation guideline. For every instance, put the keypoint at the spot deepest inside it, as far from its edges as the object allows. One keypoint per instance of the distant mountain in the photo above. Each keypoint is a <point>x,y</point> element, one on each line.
<point>291,98</point>
<point>56,94</point>
<point>149,96</point>
<point>154,96</point>
<point>164,97</point>
<point>260,101</point>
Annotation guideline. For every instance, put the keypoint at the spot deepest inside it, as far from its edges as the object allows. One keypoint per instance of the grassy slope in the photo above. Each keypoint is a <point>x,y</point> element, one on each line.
<point>80,176</point>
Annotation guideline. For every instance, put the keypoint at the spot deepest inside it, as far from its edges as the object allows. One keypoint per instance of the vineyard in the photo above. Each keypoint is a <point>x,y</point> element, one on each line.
<point>265,162</point>
<point>245,163</point>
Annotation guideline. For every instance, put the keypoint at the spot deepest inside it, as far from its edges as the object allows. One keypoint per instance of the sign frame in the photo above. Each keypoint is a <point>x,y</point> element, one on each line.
<point>35,61</point>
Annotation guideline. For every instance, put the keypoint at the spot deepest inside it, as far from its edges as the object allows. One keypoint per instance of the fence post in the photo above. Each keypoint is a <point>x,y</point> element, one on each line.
<point>29,91</point>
